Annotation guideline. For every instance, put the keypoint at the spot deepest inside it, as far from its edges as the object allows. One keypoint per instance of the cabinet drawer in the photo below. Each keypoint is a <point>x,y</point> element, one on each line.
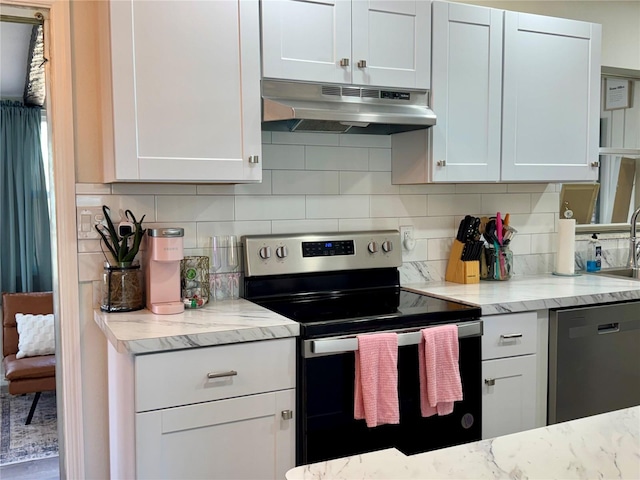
<point>183,377</point>
<point>509,335</point>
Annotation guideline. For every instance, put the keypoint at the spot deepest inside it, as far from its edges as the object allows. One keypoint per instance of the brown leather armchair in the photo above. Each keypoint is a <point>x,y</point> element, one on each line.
<point>28,374</point>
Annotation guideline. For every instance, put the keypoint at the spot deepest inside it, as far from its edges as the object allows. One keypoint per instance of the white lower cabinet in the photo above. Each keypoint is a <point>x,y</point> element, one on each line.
<point>513,373</point>
<point>240,438</point>
<point>221,412</point>
<point>508,395</point>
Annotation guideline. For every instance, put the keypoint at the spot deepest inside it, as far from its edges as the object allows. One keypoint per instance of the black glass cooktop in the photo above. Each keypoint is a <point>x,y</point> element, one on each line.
<point>337,313</point>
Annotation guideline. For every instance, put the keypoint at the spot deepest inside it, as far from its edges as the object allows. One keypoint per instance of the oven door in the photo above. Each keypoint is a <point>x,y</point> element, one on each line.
<point>326,428</point>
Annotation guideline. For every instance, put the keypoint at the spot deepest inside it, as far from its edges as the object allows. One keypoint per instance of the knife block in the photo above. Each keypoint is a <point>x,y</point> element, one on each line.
<point>459,271</point>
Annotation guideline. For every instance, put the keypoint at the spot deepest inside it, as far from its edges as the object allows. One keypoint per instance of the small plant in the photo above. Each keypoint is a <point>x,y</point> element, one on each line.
<point>124,247</point>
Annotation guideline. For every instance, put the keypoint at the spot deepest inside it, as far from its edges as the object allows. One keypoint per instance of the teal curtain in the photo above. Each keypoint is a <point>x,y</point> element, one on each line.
<point>25,228</point>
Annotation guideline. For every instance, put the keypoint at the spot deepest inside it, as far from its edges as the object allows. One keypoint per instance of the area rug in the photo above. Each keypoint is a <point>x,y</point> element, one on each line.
<point>20,442</point>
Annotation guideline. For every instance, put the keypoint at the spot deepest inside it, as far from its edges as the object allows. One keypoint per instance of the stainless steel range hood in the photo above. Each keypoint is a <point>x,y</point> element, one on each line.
<point>311,107</point>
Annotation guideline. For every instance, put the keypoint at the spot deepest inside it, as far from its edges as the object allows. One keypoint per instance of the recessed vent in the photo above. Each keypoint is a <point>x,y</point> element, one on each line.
<point>327,126</point>
<point>368,93</point>
<point>350,92</point>
<point>329,90</point>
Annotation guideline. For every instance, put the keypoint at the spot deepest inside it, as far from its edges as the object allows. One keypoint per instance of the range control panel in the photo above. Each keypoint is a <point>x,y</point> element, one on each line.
<point>321,252</point>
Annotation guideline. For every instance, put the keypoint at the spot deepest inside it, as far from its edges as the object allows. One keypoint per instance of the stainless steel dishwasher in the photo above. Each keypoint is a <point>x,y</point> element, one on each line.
<point>594,360</point>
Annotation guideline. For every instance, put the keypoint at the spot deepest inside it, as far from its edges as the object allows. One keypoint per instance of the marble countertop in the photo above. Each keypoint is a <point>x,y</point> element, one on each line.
<point>601,446</point>
<point>535,292</point>
<point>223,322</point>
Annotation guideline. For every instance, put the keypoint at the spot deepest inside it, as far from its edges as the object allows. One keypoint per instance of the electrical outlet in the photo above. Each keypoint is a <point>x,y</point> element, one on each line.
<point>87,219</point>
<point>406,235</point>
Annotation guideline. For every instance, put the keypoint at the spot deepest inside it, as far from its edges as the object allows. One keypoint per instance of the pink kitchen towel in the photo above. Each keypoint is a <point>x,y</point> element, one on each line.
<point>440,383</point>
<point>376,379</point>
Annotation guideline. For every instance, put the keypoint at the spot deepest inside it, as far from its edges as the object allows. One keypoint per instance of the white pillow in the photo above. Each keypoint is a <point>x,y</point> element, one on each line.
<point>36,335</point>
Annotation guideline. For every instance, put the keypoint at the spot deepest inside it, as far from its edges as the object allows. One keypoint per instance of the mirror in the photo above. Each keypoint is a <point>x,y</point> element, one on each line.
<point>618,194</point>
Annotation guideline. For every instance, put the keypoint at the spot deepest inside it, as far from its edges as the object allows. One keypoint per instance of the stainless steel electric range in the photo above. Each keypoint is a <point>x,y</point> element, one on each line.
<point>337,286</point>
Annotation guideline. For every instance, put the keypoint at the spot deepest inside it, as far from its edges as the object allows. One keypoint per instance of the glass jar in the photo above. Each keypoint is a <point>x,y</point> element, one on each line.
<point>496,264</point>
<point>122,288</point>
<point>194,281</point>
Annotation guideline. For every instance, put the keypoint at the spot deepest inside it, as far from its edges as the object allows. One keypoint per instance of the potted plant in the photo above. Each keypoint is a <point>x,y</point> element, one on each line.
<point>123,286</point>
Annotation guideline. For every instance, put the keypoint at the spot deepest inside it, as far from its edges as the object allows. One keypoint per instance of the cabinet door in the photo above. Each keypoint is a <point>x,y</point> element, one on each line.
<point>186,91</point>
<point>466,92</point>
<point>393,38</point>
<point>509,405</point>
<point>240,438</point>
<point>551,98</point>
<point>304,40</point>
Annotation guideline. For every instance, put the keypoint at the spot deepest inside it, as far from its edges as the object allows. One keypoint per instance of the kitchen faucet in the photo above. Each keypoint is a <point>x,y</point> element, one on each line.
<point>633,245</point>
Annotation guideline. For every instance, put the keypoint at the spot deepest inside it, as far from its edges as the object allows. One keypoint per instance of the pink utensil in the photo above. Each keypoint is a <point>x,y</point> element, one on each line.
<point>499,228</point>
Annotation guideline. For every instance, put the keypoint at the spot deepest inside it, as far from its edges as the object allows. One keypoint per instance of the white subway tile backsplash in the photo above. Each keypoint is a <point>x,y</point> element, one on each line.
<point>206,230</point>
<point>305,138</point>
<point>153,189</point>
<point>90,246</point>
<point>418,254</point>
<point>530,187</point>
<point>283,157</point>
<point>545,202</point>
<point>398,205</point>
<point>481,188</point>
<point>439,248</point>
<point>337,206</point>
<point>521,244</point>
<point>363,183</point>
<point>379,160</point>
<point>93,188</point>
<point>428,189</point>
<point>543,243</point>
<point>533,223</point>
<point>359,224</point>
<point>506,202</point>
<point>337,158</point>
<point>304,226</point>
<point>301,182</point>
<point>462,204</point>
<point>260,207</point>
<point>263,188</point>
<point>355,140</point>
<point>198,208</point>
<point>432,227</point>
<point>90,266</point>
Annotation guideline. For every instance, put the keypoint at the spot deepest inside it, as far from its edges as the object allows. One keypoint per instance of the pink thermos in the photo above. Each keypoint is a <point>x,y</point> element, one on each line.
<point>162,270</point>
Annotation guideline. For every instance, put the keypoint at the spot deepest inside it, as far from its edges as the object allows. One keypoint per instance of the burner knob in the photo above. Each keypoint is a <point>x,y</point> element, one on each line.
<point>282,251</point>
<point>387,246</point>
<point>373,247</point>
<point>265,252</point>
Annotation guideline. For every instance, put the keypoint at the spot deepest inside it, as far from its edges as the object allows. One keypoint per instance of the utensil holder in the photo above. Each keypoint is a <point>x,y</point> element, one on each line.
<point>496,265</point>
<point>459,271</point>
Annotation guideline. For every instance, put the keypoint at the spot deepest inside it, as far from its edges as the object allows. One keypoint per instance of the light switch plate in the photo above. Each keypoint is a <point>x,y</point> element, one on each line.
<point>86,219</point>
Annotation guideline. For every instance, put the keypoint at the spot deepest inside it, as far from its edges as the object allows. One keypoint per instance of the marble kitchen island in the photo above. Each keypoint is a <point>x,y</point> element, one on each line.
<point>602,446</point>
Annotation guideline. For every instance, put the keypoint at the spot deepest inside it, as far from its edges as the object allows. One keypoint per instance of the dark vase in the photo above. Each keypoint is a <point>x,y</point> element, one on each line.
<point>122,288</point>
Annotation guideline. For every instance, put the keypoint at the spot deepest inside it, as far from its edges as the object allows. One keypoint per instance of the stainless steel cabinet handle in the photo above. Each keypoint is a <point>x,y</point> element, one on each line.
<point>490,381</point>
<point>287,414</point>
<point>344,62</point>
<point>230,373</point>
<point>595,164</point>
<point>442,163</point>
<point>254,159</point>
<point>362,64</point>
<point>508,336</point>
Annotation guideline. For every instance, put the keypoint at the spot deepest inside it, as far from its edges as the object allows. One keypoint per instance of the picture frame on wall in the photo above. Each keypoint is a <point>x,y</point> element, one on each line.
<point>617,93</point>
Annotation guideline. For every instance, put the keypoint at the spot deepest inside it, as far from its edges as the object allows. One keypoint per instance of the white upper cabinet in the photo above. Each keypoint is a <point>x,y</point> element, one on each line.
<point>551,98</point>
<point>466,92</point>
<point>366,42</point>
<point>186,91</point>
<point>518,106</point>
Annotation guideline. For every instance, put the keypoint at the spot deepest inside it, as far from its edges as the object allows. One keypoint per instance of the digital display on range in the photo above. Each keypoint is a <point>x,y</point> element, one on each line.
<point>327,249</point>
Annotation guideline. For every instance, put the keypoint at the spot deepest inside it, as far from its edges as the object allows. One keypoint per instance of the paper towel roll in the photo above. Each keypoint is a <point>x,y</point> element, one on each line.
<point>566,246</point>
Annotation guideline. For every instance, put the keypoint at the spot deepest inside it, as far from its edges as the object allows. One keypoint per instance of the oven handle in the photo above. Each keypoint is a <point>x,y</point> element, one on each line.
<point>334,345</point>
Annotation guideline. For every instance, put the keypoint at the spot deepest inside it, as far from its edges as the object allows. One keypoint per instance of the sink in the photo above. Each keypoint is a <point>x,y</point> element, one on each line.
<point>618,272</point>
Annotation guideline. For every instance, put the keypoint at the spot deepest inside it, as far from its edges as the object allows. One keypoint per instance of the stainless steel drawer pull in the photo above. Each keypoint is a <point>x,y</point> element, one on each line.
<point>230,373</point>
<point>287,414</point>
<point>509,336</point>
<point>490,381</point>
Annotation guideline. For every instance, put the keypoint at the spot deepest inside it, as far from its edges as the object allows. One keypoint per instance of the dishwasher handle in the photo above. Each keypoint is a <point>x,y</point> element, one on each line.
<point>608,328</point>
<point>343,344</point>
